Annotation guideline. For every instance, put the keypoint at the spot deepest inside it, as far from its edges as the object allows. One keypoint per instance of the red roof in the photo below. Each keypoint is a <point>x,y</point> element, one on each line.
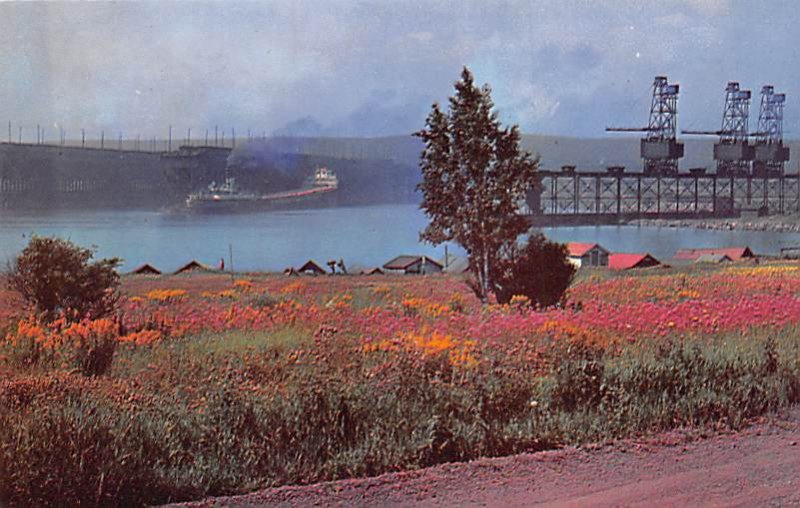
<point>735,253</point>
<point>624,261</point>
<point>577,249</point>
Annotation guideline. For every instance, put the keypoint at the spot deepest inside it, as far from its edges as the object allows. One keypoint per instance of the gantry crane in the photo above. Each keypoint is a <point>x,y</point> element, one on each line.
<point>659,147</point>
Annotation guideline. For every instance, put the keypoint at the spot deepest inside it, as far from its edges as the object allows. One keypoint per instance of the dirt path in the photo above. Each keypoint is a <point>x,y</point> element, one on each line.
<point>757,467</point>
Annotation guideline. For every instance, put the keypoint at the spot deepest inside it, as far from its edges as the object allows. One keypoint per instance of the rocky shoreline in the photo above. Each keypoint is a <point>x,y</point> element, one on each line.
<point>777,224</point>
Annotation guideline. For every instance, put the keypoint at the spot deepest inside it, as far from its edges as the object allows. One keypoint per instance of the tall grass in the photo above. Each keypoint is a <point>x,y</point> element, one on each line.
<point>179,422</point>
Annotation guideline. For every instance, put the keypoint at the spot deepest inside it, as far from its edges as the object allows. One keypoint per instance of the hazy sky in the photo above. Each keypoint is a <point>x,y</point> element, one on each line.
<point>372,68</point>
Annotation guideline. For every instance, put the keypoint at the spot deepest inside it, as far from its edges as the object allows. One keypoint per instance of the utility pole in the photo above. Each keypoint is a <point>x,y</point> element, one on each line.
<point>169,142</point>
<point>119,145</point>
<point>206,143</point>
<point>20,134</point>
<point>216,136</point>
<point>102,140</point>
<point>230,259</point>
<point>9,131</point>
<point>189,136</point>
<point>233,137</point>
<point>83,138</point>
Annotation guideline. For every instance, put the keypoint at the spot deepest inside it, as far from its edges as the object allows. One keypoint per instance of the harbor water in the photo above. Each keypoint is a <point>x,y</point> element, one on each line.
<point>362,236</point>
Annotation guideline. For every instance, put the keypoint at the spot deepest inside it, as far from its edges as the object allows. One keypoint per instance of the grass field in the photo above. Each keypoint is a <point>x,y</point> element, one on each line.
<point>207,386</point>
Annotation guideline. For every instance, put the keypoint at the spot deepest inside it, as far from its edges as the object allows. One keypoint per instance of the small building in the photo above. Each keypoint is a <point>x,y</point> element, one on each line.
<point>194,266</point>
<point>587,254</point>
<point>146,269</point>
<point>713,259</point>
<point>734,253</point>
<point>311,268</point>
<point>790,252</point>
<point>627,261</point>
<point>420,265</point>
<point>454,264</point>
<point>364,270</point>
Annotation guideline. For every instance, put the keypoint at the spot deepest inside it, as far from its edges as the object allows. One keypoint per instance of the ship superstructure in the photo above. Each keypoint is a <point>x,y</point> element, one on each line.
<point>228,197</point>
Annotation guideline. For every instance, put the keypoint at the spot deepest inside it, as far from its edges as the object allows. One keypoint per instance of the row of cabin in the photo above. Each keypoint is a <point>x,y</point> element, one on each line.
<point>595,255</point>
<point>406,264</point>
<point>580,255</point>
<point>191,266</point>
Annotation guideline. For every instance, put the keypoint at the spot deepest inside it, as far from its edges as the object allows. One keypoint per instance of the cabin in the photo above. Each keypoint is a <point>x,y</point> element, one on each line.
<point>194,266</point>
<point>365,270</point>
<point>790,252</point>
<point>734,253</point>
<point>628,261</point>
<point>146,269</point>
<point>418,265</point>
<point>311,268</point>
<point>713,259</point>
<point>587,254</point>
<point>454,264</point>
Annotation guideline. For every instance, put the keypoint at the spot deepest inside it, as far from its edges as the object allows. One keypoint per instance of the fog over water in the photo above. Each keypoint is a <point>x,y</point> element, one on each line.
<point>367,236</point>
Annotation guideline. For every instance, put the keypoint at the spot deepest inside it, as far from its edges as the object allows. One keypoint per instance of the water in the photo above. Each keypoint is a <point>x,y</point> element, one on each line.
<point>366,236</point>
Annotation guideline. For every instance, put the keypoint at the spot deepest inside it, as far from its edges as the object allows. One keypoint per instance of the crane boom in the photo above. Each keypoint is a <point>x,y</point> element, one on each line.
<point>628,129</point>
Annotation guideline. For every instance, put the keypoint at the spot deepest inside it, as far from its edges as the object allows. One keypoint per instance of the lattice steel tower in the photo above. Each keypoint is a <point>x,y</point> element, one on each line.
<point>732,152</point>
<point>659,148</point>
<point>770,154</point>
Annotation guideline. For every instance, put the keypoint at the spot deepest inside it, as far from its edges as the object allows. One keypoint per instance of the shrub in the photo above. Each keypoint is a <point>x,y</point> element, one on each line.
<point>540,270</point>
<point>55,276</point>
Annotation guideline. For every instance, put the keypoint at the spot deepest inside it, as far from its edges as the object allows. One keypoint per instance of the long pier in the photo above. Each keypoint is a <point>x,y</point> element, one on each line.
<point>611,197</point>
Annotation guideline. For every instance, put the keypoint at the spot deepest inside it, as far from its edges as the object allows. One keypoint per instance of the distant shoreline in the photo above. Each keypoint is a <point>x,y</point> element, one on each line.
<point>774,224</point>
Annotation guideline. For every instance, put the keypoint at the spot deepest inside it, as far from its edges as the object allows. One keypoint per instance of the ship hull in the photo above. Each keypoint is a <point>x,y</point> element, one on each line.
<point>322,198</point>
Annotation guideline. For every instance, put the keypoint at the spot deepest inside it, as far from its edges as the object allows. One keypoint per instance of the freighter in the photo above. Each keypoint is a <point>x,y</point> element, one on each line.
<point>228,197</point>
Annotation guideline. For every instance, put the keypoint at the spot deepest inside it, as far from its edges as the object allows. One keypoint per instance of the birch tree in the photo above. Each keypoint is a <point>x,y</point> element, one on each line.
<point>474,177</point>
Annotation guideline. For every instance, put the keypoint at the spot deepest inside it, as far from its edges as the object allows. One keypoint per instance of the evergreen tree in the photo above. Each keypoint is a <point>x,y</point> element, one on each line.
<point>539,270</point>
<point>474,177</point>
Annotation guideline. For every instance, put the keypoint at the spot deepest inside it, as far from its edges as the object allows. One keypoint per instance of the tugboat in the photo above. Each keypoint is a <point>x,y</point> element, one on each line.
<point>227,197</point>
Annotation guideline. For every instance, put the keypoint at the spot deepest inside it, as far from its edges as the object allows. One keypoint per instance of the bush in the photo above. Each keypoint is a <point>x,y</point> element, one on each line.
<point>540,270</point>
<point>55,276</point>
<point>86,346</point>
<point>286,417</point>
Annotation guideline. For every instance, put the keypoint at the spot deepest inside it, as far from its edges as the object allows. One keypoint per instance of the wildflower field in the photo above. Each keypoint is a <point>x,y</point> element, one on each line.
<point>203,385</point>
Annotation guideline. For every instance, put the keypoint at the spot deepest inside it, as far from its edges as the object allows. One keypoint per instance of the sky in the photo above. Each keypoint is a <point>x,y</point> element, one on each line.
<point>373,68</point>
